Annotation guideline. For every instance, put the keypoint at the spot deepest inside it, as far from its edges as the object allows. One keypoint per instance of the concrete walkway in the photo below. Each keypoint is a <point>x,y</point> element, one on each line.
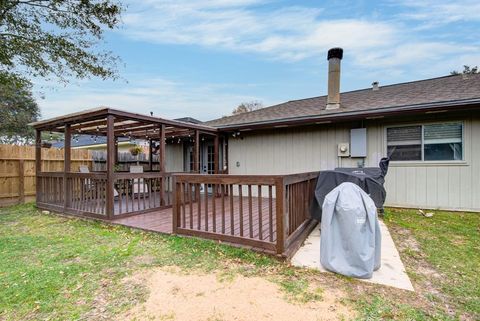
<point>391,273</point>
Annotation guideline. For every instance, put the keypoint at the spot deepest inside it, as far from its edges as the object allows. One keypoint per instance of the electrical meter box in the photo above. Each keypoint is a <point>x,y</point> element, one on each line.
<point>343,150</point>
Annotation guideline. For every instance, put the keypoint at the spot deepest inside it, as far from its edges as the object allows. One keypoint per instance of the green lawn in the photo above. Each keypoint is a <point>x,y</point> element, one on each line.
<point>444,258</point>
<point>60,268</point>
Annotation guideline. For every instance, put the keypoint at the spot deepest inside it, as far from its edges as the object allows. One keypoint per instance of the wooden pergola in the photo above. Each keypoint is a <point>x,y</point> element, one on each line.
<point>269,213</point>
<point>113,124</point>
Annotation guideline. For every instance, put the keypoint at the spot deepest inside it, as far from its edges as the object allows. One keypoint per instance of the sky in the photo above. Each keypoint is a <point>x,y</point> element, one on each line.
<point>202,58</point>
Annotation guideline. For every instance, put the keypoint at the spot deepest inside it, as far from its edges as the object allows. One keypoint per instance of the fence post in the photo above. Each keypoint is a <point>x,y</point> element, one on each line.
<point>21,181</point>
<point>280,213</point>
<point>38,163</point>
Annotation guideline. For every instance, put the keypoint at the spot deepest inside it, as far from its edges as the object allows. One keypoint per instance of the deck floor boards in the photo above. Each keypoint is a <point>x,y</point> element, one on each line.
<point>161,220</point>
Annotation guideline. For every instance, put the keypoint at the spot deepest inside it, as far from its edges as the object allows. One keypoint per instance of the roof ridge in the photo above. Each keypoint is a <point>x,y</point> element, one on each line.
<point>345,92</point>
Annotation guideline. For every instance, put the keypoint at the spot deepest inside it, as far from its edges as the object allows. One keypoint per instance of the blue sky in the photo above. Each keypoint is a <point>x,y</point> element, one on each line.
<point>202,58</point>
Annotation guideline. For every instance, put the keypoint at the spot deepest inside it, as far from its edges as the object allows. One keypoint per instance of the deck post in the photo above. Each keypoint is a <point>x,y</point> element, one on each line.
<point>38,163</point>
<point>110,166</point>
<point>196,153</point>
<point>66,166</point>
<point>175,203</point>
<point>280,214</point>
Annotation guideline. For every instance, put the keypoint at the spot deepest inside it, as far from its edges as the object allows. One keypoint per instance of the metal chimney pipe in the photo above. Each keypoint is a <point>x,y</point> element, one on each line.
<point>334,57</point>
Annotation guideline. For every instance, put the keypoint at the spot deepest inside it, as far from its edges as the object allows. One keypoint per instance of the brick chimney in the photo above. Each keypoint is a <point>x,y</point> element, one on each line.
<point>334,57</point>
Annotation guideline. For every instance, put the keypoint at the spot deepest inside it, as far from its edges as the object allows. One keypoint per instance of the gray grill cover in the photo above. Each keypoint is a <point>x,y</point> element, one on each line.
<point>350,239</point>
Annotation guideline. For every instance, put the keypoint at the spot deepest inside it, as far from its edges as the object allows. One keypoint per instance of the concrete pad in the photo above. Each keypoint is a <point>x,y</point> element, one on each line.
<point>391,273</point>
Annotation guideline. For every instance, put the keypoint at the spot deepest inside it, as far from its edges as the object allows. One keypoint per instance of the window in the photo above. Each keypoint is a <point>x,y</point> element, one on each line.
<point>432,142</point>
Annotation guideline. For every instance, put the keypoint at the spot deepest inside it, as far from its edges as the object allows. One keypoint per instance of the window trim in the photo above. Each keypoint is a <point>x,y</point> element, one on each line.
<point>463,161</point>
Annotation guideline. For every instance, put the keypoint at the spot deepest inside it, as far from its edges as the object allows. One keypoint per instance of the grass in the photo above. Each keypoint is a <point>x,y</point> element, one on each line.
<point>59,268</point>
<point>449,250</point>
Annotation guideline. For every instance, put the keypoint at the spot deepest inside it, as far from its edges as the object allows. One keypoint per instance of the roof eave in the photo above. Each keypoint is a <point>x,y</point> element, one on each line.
<point>343,116</point>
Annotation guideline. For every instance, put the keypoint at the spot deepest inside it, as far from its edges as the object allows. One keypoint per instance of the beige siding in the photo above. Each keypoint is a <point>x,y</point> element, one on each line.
<point>174,158</point>
<point>426,185</point>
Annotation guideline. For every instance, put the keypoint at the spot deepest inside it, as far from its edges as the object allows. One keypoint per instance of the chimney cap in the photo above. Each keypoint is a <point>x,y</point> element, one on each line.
<point>335,53</point>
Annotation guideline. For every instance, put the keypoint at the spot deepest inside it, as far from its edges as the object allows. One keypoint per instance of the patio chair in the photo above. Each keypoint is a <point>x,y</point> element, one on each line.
<point>138,184</point>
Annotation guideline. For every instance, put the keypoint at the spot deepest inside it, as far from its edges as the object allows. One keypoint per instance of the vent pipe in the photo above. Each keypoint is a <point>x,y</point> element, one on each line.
<point>375,86</point>
<point>334,57</point>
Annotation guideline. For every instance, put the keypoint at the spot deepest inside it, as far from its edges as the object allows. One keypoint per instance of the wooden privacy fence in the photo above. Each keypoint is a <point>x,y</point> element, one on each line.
<point>17,169</point>
<point>263,211</point>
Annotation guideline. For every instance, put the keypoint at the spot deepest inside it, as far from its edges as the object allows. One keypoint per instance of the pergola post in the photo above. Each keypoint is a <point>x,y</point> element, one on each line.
<point>150,155</point>
<point>161,155</point>
<point>110,166</point>
<point>116,150</point>
<point>66,166</point>
<point>196,153</point>
<point>216,156</point>
<point>38,162</point>
<point>161,161</point>
<point>225,154</point>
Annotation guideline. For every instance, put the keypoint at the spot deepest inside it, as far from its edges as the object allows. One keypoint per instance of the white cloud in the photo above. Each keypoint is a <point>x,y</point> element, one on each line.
<point>289,33</point>
<point>435,12</point>
<point>164,97</point>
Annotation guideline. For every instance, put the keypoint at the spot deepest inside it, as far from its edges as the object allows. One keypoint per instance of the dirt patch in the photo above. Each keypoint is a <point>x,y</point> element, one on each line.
<point>178,296</point>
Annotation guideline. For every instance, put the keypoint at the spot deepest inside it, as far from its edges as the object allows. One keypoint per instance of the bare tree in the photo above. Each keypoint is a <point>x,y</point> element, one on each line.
<point>467,70</point>
<point>246,107</point>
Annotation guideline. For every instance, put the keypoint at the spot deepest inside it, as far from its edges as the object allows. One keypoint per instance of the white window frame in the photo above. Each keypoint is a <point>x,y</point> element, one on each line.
<point>463,161</point>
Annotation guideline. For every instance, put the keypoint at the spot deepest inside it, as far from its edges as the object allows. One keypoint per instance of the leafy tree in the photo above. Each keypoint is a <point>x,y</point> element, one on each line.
<point>245,107</point>
<point>467,70</point>
<point>45,38</point>
<point>18,108</point>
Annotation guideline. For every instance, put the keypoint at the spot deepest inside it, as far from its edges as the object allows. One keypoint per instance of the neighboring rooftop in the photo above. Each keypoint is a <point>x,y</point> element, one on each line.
<point>442,91</point>
<point>87,140</point>
<point>189,120</point>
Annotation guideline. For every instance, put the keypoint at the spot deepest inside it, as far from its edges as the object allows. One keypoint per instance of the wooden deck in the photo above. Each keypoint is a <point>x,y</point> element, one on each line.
<point>157,221</point>
<point>221,220</point>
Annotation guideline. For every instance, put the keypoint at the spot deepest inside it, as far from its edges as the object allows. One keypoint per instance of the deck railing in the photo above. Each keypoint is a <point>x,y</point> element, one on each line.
<point>263,211</point>
<point>141,192</point>
<point>86,193</point>
<point>50,190</point>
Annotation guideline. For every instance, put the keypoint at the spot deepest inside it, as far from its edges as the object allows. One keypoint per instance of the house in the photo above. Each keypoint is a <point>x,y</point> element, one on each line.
<point>248,179</point>
<point>430,129</point>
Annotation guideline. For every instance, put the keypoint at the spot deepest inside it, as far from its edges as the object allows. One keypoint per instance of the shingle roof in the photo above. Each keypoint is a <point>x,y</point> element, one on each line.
<point>436,90</point>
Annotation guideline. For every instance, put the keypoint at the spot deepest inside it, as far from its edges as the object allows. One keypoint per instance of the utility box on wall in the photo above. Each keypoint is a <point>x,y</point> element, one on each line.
<point>358,142</point>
